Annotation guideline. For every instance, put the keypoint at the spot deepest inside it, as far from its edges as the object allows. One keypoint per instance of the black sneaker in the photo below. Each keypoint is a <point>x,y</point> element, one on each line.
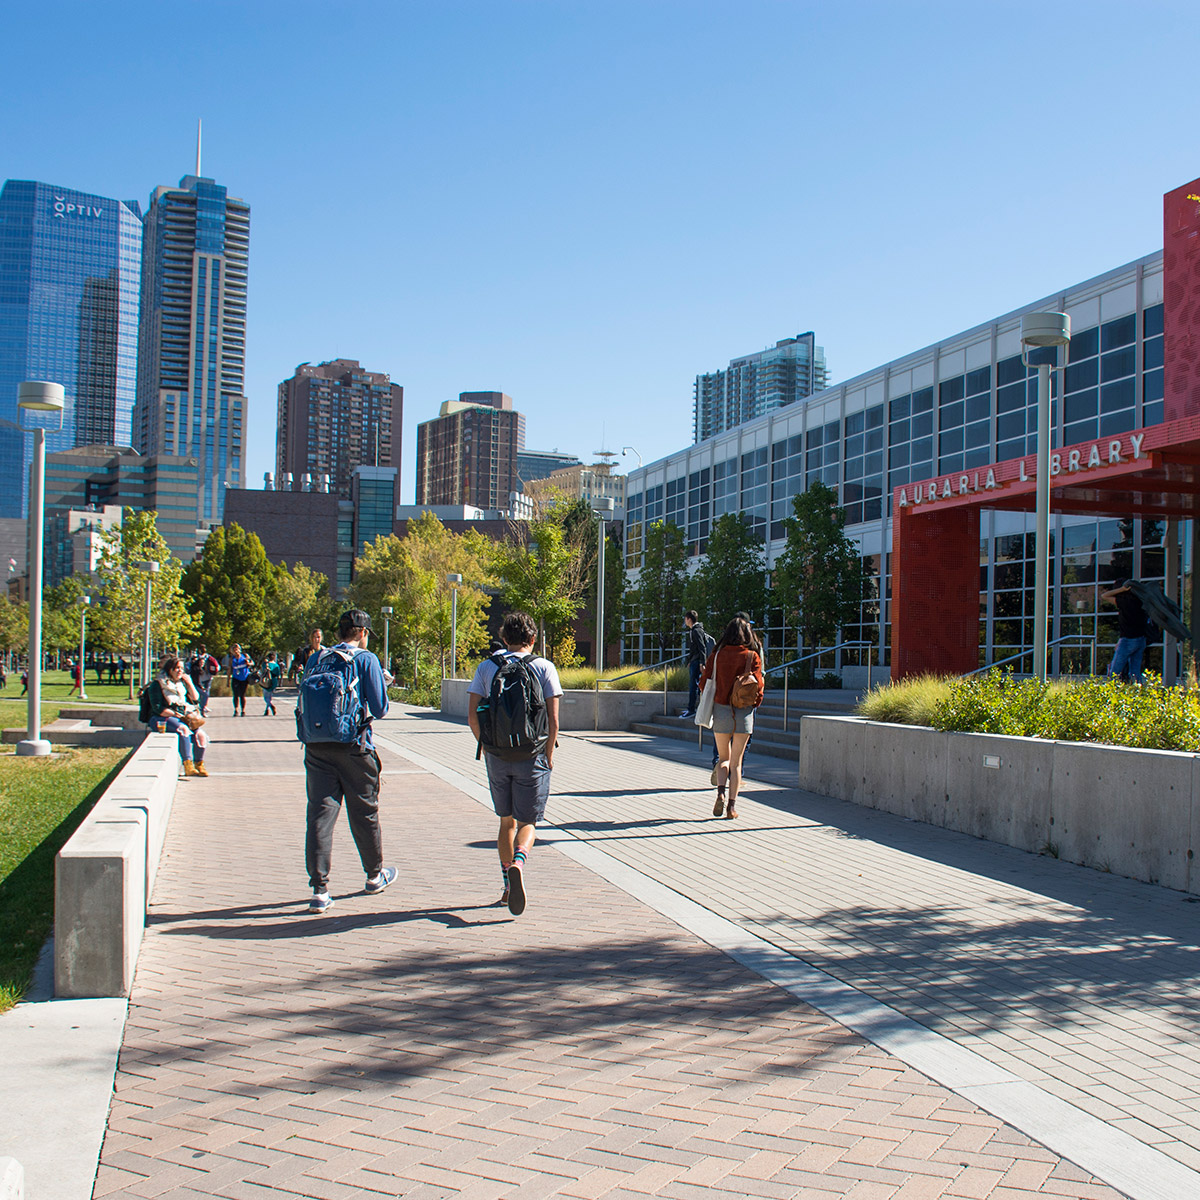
<point>516,891</point>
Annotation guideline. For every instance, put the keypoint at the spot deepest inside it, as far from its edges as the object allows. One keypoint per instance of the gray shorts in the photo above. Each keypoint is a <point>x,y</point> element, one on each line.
<point>519,789</point>
<point>732,720</point>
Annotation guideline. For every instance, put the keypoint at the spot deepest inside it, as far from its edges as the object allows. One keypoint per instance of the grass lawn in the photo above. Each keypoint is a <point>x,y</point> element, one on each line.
<point>42,802</point>
<point>55,688</point>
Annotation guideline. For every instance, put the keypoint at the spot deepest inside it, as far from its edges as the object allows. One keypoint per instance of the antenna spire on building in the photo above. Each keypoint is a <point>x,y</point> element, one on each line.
<point>199,123</point>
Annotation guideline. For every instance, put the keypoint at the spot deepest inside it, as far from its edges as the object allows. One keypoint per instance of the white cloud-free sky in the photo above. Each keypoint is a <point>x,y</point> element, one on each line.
<point>584,203</point>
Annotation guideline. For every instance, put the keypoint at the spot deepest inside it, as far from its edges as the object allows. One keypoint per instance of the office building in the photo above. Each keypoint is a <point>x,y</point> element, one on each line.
<point>932,457</point>
<point>756,384</point>
<point>589,484</point>
<point>468,453</point>
<point>92,478</point>
<point>70,265</point>
<point>335,417</point>
<point>373,491</point>
<point>192,338</point>
<point>537,464</point>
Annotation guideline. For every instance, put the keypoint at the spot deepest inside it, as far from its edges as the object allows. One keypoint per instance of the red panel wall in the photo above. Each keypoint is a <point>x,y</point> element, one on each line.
<point>1181,301</point>
<point>935,591</point>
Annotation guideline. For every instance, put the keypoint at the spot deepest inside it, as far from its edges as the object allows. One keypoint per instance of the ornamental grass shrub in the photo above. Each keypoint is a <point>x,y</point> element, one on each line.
<point>909,703</point>
<point>1108,711</point>
<point>646,681</point>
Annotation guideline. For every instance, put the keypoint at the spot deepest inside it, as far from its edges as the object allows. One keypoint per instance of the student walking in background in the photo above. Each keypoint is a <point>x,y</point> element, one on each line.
<point>736,666</point>
<point>269,678</point>
<point>239,678</point>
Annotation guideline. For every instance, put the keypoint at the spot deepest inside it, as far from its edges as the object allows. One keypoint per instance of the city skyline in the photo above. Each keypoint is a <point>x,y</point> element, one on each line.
<point>532,217</point>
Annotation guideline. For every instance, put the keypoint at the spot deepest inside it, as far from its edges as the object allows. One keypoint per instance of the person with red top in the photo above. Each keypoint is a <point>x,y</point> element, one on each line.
<point>738,654</point>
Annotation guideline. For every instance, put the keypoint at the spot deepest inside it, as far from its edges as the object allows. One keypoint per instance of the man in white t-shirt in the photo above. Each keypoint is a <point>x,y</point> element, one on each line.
<point>520,787</point>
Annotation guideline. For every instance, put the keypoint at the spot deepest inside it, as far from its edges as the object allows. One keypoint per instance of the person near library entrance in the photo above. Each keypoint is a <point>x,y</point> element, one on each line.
<point>699,646</point>
<point>349,770</point>
<point>736,666</point>
<point>1131,633</point>
<point>519,779</point>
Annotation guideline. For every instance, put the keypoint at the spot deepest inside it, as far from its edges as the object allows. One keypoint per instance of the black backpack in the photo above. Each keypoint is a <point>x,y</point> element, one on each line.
<point>513,721</point>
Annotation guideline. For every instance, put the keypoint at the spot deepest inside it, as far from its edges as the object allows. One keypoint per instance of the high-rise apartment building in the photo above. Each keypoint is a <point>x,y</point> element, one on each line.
<point>335,417</point>
<point>468,453</point>
<point>756,384</point>
<point>192,341</point>
<point>70,266</point>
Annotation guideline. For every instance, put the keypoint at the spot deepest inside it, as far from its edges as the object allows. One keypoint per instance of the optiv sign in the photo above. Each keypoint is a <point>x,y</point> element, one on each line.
<point>63,208</point>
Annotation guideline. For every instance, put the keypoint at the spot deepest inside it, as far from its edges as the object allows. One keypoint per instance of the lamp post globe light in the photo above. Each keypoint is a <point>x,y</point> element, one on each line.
<point>454,580</point>
<point>603,508</point>
<point>1042,331</point>
<point>37,396</point>
<point>84,601</point>
<point>386,612</point>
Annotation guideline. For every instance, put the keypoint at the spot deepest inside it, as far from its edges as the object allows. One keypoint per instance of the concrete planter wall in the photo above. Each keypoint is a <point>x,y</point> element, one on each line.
<point>1132,812</point>
<point>578,708</point>
<point>104,875</point>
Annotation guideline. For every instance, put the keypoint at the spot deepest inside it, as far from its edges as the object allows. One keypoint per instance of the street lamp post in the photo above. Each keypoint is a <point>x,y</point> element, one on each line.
<point>604,510</point>
<point>454,581</point>
<point>150,569</point>
<point>37,396</point>
<point>386,611</point>
<point>1042,331</point>
<point>83,612</point>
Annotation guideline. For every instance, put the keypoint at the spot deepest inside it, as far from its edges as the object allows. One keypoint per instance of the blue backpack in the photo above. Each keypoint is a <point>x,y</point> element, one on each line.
<point>329,707</point>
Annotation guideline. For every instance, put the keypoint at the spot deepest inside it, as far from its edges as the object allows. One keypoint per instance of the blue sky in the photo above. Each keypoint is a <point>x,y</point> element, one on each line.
<point>584,204</point>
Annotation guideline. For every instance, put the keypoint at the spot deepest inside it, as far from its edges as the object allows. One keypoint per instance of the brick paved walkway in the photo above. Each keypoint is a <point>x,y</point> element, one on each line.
<point>1084,983</point>
<point>422,1043</point>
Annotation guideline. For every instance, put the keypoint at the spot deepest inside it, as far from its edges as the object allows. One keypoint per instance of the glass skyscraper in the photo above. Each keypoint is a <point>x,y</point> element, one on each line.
<point>192,347</point>
<point>70,267</point>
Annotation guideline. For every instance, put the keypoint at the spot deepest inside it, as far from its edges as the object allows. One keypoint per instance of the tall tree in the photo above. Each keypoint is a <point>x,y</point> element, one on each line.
<point>657,598</point>
<point>14,624</point>
<point>540,577</point>
<point>410,573</point>
<point>119,612</point>
<point>299,601</point>
<point>819,580</point>
<point>732,578</point>
<point>231,586</point>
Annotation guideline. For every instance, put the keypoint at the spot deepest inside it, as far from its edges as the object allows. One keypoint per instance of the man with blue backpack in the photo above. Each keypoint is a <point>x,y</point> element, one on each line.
<point>341,692</point>
<point>512,708</point>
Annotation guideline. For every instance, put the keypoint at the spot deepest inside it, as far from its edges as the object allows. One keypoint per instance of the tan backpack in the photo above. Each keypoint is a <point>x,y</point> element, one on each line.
<point>746,689</point>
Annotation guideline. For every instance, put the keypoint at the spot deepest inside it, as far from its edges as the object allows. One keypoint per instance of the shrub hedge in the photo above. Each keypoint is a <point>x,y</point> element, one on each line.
<point>1148,716</point>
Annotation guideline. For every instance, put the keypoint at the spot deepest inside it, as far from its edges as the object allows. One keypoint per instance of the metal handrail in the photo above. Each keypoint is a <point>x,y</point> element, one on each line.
<point>629,674</point>
<point>1074,639</point>
<point>807,658</point>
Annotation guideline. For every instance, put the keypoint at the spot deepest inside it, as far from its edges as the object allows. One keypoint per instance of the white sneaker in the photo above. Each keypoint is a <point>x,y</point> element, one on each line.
<point>320,902</point>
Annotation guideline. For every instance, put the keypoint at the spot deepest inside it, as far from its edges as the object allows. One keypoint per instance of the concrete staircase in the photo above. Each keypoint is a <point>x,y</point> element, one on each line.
<point>88,726</point>
<point>769,734</point>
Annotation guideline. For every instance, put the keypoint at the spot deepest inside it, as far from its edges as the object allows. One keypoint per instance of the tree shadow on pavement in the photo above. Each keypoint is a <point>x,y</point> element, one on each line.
<point>606,1008</point>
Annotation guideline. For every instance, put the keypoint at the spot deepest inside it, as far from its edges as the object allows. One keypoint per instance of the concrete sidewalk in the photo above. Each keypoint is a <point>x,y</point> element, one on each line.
<point>422,1043</point>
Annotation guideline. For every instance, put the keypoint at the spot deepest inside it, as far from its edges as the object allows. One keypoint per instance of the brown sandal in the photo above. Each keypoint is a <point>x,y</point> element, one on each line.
<point>719,807</point>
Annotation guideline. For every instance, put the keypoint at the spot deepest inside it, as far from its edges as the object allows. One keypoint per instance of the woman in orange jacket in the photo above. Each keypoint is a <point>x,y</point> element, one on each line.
<point>736,666</point>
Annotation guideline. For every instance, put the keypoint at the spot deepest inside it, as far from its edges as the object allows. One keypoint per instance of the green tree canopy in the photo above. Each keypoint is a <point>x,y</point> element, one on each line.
<point>732,578</point>
<point>409,574</point>
<point>658,596</point>
<point>542,577</point>
<point>14,624</point>
<point>231,588</point>
<point>299,601</point>
<point>819,578</point>
<point>61,607</point>
<point>118,609</point>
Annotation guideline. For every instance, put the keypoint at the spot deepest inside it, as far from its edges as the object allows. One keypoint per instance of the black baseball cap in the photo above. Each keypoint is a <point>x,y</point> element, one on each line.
<point>354,618</point>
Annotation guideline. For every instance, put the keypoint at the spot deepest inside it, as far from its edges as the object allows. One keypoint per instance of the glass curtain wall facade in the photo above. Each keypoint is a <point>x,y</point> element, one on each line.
<point>70,265</point>
<point>192,339</point>
<point>959,405</point>
<point>756,384</point>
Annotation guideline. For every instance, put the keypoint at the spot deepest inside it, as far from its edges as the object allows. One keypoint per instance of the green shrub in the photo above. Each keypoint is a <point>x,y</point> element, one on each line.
<point>1108,711</point>
<point>646,681</point>
<point>910,702</point>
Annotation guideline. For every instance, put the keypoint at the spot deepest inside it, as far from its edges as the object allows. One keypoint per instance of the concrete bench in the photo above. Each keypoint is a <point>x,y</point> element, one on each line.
<point>104,875</point>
